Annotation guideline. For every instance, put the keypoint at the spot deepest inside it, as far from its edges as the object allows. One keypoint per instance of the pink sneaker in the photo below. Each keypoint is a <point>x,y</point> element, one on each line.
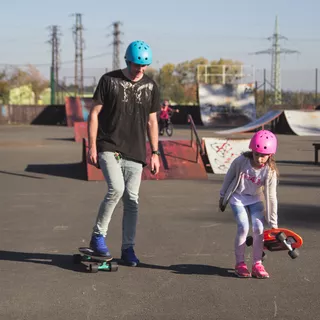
<point>242,271</point>
<point>258,271</point>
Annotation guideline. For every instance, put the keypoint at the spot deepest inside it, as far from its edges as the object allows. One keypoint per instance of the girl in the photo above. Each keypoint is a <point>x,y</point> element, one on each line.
<point>251,182</point>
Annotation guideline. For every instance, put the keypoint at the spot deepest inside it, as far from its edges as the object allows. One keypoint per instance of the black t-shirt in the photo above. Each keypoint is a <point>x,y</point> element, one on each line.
<point>124,116</point>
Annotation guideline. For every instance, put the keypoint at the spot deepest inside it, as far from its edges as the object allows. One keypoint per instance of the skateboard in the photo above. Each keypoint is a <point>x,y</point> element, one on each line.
<point>95,263</point>
<point>280,239</point>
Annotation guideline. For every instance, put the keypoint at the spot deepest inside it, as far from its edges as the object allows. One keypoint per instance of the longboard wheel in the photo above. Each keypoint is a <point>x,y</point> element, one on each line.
<point>249,241</point>
<point>93,268</point>
<point>77,258</point>
<point>281,236</point>
<point>113,266</point>
<point>294,253</point>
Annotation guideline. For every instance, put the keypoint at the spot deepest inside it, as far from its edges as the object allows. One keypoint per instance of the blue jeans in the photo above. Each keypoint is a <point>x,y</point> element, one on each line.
<point>123,178</point>
<point>241,214</point>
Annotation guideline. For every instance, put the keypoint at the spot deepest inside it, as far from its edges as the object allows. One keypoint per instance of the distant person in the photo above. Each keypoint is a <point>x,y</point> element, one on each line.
<point>318,107</point>
<point>126,103</point>
<point>165,114</point>
<point>250,181</point>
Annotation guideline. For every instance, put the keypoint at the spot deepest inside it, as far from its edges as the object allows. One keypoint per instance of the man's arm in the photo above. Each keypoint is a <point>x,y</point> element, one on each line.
<point>92,133</point>
<point>153,131</point>
<point>153,136</point>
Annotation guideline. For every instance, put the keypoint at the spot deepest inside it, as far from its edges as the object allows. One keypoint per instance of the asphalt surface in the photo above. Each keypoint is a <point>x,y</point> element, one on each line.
<point>185,245</point>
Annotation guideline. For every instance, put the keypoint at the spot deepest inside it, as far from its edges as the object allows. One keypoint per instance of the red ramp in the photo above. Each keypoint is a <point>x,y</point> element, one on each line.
<point>80,129</point>
<point>178,160</point>
<point>73,110</point>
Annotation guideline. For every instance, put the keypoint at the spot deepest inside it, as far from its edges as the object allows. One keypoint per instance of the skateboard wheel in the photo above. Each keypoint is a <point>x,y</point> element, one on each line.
<point>293,254</point>
<point>281,236</point>
<point>93,268</point>
<point>77,258</point>
<point>249,241</point>
<point>113,266</point>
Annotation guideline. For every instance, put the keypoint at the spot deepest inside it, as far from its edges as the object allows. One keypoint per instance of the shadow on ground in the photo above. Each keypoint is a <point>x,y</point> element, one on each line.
<point>61,139</point>
<point>19,174</point>
<point>300,180</point>
<point>302,216</point>
<point>65,170</point>
<point>294,163</point>
<point>197,269</point>
<point>66,262</point>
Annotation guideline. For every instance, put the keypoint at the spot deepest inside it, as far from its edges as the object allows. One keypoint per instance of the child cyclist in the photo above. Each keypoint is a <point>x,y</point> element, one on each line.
<point>250,188</point>
<point>164,116</point>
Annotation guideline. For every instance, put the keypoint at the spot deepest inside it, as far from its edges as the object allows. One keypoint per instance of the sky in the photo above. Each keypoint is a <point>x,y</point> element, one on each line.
<point>177,31</point>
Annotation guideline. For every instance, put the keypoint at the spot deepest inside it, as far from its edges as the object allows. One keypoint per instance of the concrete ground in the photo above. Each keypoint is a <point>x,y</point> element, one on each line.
<point>184,243</point>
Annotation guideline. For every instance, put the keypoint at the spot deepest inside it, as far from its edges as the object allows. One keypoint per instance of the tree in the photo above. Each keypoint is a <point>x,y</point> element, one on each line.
<point>4,87</point>
<point>187,71</point>
<point>37,81</point>
<point>152,73</point>
<point>18,78</point>
<point>179,82</point>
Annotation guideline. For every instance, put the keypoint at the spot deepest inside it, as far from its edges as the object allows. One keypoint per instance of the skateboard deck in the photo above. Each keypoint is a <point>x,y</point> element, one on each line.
<point>280,239</point>
<point>95,262</point>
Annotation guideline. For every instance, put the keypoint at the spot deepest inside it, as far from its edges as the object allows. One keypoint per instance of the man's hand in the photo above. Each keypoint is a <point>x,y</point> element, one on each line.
<point>155,164</point>
<point>93,156</point>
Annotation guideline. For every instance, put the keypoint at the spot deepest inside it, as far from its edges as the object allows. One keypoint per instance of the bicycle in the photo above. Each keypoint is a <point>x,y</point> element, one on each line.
<point>166,125</point>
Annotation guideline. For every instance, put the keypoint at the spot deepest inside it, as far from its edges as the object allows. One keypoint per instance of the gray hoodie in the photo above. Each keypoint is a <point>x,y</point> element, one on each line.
<point>231,183</point>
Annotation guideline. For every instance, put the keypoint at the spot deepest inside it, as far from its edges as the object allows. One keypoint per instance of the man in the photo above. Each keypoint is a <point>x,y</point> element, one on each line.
<point>125,107</point>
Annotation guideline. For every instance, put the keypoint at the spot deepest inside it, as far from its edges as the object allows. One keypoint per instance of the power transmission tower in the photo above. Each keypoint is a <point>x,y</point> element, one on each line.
<point>275,51</point>
<point>78,60</point>
<point>54,70</point>
<point>116,45</point>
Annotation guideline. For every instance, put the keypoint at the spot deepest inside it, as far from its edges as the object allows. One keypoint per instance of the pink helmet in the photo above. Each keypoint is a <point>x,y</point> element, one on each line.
<point>264,142</point>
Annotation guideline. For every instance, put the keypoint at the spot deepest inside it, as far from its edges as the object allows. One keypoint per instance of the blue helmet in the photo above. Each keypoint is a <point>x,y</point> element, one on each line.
<point>139,52</point>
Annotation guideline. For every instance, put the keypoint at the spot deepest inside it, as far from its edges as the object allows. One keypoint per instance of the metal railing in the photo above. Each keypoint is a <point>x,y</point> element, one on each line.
<point>194,133</point>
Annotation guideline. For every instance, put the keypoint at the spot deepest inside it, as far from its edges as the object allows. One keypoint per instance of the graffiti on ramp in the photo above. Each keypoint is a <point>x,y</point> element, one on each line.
<point>222,151</point>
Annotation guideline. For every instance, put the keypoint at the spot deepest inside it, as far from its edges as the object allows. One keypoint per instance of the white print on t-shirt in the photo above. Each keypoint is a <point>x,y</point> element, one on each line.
<point>146,89</point>
<point>126,89</point>
<point>129,88</point>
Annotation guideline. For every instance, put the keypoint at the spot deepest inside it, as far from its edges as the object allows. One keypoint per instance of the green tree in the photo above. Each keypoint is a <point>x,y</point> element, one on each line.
<point>152,73</point>
<point>4,87</point>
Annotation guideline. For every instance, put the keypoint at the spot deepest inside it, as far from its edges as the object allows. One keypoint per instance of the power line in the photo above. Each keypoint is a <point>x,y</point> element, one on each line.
<point>54,70</point>
<point>78,61</point>
<point>275,52</point>
<point>48,64</point>
<point>116,45</point>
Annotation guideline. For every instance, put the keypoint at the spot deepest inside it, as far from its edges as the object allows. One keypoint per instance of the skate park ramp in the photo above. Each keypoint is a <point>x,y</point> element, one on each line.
<point>226,104</point>
<point>77,109</point>
<point>80,130</point>
<point>264,120</point>
<point>303,123</point>
<point>222,151</point>
<point>179,159</point>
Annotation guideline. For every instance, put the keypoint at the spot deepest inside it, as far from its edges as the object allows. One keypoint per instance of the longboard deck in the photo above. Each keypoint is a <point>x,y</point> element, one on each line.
<point>272,243</point>
<point>90,253</point>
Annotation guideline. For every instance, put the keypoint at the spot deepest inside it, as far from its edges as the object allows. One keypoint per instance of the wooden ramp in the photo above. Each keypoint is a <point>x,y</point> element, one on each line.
<point>179,160</point>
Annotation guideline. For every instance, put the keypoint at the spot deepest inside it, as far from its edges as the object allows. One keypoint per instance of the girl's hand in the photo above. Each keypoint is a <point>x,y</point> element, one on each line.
<point>221,206</point>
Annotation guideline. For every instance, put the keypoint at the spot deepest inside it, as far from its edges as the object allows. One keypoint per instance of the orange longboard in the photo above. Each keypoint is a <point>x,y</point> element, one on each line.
<point>280,239</point>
